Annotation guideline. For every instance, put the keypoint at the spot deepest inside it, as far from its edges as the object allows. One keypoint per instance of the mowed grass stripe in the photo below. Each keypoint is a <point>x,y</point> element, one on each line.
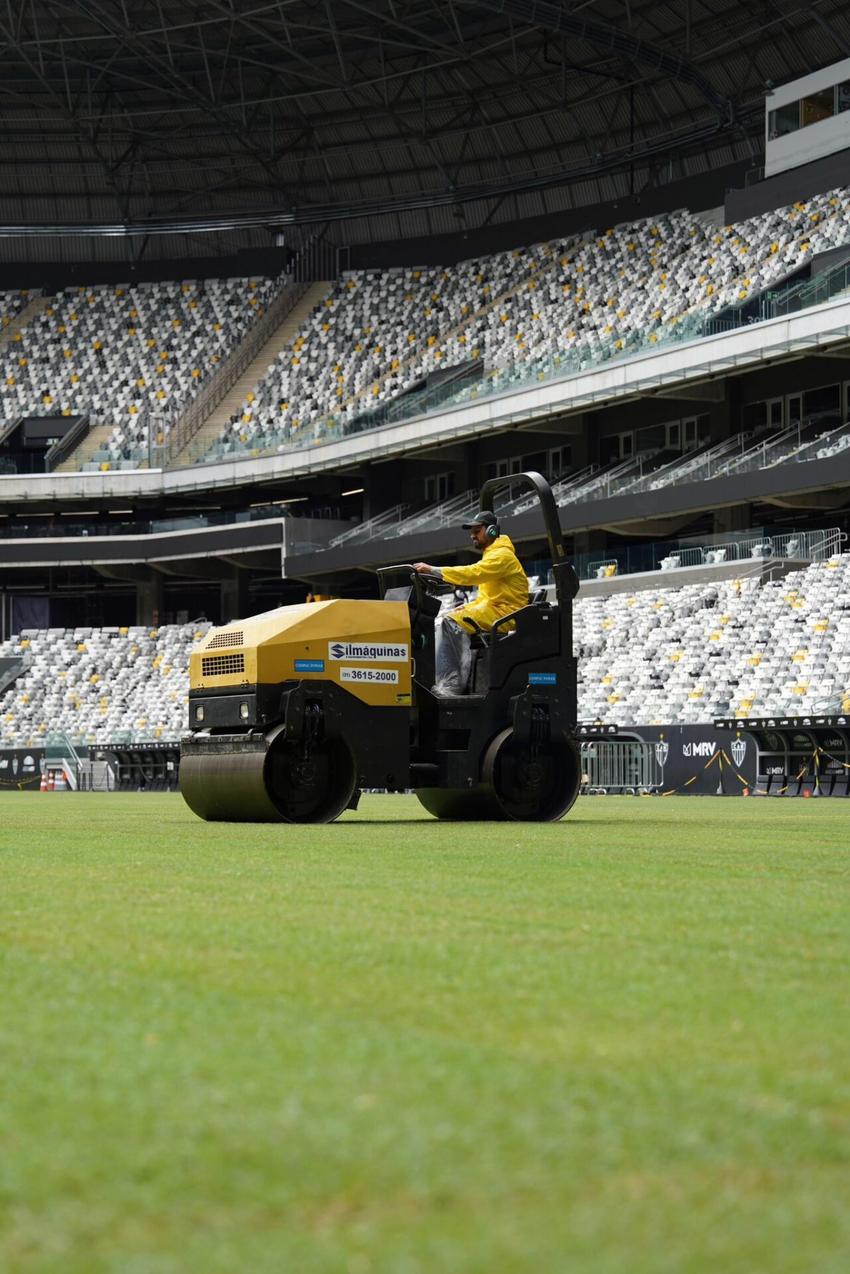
<point>613,1043</point>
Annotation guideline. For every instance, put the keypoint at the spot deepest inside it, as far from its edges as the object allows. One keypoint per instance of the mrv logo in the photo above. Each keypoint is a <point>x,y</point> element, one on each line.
<point>699,749</point>
<point>388,652</point>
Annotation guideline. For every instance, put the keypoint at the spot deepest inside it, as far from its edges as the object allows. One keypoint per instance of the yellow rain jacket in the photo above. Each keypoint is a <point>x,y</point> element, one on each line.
<point>502,585</point>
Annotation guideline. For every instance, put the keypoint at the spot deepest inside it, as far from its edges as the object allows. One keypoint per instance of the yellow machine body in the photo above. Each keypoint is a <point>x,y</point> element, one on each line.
<point>361,646</point>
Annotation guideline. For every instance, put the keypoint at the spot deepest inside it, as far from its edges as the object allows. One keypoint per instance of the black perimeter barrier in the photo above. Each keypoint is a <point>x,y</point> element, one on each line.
<point>776,756</point>
<point>772,756</point>
<point>20,769</point>
<point>140,767</point>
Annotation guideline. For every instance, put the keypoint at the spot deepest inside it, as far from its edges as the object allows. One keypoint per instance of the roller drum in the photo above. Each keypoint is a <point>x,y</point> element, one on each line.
<point>517,784</point>
<point>265,779</point>
<point>461,804</point>
<point>222,779</point>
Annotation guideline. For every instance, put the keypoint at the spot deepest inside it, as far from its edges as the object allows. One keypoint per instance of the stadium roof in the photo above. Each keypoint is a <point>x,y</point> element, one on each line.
<point>394,118</point>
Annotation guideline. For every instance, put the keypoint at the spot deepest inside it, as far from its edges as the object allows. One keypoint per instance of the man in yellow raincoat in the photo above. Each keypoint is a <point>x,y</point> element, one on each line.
<point>502,589</point>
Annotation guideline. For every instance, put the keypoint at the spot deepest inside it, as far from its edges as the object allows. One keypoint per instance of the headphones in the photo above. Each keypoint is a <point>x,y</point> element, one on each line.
<point>493,531</point>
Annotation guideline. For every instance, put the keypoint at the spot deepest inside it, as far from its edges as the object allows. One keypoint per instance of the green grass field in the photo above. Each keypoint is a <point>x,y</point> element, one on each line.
<point>394,1046</point>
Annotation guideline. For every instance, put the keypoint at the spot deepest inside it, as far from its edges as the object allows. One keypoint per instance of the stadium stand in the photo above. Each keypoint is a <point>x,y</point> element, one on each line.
<point>374,335</point>
<point>118,353</point>
<point>548,309</point>
<point>685,654</point>
<point>694,653</point>
<point>96,684</point>
<point>122,353</point>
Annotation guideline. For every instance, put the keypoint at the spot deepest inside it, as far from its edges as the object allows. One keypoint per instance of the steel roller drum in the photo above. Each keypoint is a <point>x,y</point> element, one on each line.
<point>223,779</point>
<point>461,805</point>
<point>248,778</point>
<point>515,785</point>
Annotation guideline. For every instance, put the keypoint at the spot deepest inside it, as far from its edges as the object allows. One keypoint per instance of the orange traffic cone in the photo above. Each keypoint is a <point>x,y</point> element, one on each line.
<point>42,787</point>
<point>51,781</point>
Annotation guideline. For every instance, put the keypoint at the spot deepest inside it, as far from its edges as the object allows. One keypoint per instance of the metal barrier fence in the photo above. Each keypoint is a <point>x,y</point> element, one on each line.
<point>628,767</point>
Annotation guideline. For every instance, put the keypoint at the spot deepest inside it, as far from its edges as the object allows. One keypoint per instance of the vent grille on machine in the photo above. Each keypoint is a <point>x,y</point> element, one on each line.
<point>222,665</point>
<point>231,637</point>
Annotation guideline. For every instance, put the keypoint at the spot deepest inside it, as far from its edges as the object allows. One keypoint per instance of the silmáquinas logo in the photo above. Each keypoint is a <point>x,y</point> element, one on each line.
<point>382,651</point>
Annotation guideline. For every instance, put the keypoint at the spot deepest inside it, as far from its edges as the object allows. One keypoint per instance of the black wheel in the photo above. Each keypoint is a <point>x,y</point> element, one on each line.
<point>532,785</point>
<point>516,783</point>
<point>310,786</point>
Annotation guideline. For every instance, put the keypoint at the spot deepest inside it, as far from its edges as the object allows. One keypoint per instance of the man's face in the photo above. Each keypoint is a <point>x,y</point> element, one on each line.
<point>478,535</point>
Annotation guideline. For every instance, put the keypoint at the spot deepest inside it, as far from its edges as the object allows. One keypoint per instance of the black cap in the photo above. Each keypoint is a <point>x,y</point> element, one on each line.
<point>483,518</point>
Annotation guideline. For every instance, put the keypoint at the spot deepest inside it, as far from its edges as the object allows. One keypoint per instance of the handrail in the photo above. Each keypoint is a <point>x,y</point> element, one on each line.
<point>522,503</point>
<point>439,513</point>
<point>63,447</point>
<point>812,291</point>
<point>687,464</point>
<point>9,427</point>
<point>364,530</point>
<point>59,747</point>
<point>188,423</point>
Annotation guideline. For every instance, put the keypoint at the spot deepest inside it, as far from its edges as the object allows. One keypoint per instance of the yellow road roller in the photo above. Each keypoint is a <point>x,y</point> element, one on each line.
<point>293,712</point>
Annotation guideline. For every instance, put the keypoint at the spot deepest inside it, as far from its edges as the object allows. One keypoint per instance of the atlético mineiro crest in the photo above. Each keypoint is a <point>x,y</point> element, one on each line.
<point>739,751</point>
<point>662,751</point>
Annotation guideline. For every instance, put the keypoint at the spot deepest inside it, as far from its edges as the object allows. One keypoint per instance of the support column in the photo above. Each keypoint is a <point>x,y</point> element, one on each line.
<point>234,596</point>
<point>149,601</point>
<point>731,520</point>
<point>587,544</point>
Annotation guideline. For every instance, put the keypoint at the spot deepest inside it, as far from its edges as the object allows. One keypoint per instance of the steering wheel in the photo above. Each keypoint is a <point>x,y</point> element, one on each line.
<point>429,585</point>
<point>432,584</point>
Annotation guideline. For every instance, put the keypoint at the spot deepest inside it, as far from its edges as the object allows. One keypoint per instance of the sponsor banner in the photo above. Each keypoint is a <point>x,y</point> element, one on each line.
<point>372,651</point>
<point>20,769</point>
<point>722,761</point>
<point>370,676</point>
<point>309,665</point>
<point>700,760</point>
<point>542,678</point>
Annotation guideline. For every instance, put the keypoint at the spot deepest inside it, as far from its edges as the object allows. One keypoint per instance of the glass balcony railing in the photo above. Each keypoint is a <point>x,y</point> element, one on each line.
<point>53,526</point>
<point>747,549</point>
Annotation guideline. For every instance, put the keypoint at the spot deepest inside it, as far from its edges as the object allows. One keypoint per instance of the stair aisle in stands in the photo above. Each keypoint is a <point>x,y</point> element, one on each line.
<point>282,336</point>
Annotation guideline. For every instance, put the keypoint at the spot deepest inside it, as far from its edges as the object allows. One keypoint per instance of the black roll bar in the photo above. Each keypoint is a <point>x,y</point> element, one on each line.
<point>566,581</point>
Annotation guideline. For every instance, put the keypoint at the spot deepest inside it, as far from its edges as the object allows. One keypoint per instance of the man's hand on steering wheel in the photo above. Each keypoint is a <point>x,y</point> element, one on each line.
<point>431,578</point>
